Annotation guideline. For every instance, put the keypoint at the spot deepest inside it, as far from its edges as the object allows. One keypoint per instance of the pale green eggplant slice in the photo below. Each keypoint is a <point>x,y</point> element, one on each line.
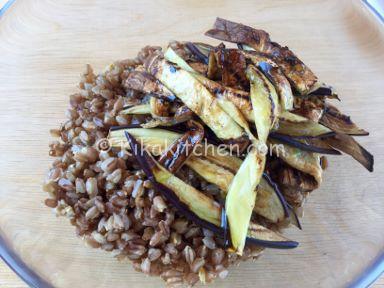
<point>264,103</point>
<point>155,140</point>
<point>303,129</point>
<point>194,95</point>
<point>137,109</point>
<point>241,198</point>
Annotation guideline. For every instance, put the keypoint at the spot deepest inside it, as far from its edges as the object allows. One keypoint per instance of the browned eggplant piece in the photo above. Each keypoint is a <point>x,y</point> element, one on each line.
<point>214,71</point>
<point>294,184</point>
<point>197,207</point>
<point>338,122</point>
<point>233,67</point>
<point>281,84</point>
<point>239,98</point>
<point>183,114</point>
<point>145,82</point>
<point>194,95</point>
<point>324,91</point>
<point>314,146</point>
<point>311,108</point>
<point>348,145</point>
<point>301,77</point>
<point>197,53</point>
<point>159,107</point>
<point>179,151</point>
<point>304,161</point>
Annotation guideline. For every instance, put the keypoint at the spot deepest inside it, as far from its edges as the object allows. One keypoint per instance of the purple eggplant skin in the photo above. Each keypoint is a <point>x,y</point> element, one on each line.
<point>197,53</point>
<point>303,146</point>
<point>294,217</point>
<point>281,197</point>
<point>144,160</point>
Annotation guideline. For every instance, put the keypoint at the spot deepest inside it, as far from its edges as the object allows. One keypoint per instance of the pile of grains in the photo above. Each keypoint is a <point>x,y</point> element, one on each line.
<point>108,199</point>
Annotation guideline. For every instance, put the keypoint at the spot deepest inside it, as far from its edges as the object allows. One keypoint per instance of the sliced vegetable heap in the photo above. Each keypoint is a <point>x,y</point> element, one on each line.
<point>221,112</point>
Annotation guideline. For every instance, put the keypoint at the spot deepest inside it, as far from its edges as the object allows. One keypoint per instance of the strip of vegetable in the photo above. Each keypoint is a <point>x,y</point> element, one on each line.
<point>264,103</point>
<point>241,197</point>
<point>304,161</point>
<point>145,82</point>
<point>196,206</point>
<point>196,97</point>
<point>286,139</point>
<point>226,104</point>
<point>178,152</point>
<point>338,122</point>
<point>137,109</point>
<point>350,146</point>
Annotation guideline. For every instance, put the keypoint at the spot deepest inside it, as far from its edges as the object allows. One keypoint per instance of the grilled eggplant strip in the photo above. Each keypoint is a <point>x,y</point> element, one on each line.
<point>338,122</point>
<point>197,207</point>
<point>228,106</point>
<point>281,84</point>
<point>312,146</point>
<point>302,129</point>
<point>145,82</point>
<point>269,201</point>
<point>348,145</point>
<point>233,65</point>
<point>137,109</point>
<point>241,197</point>
<point>178,152</point>
<point>183,114</point>
<point>157,140</point>
<point>159,108</point>
<point>264,103</point>
<point>239,98</point>
<point>196,97</point>
<point>197,53</point>
<point>211,172</point>
<point>301,77</point>
<point>304,161</point>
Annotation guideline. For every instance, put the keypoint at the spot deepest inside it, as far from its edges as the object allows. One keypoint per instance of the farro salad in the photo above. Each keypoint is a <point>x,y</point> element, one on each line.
<point>187,160</point>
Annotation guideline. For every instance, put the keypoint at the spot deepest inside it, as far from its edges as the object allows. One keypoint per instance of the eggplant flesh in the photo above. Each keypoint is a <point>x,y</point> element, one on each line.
<point>241,198</point>
<point>303,129</point>
<point>280,82</point>
<point>196,97</point>
<point>264,103</point>
<point>225,104</point>
<point>194,205</point>
<point>137,109</point>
